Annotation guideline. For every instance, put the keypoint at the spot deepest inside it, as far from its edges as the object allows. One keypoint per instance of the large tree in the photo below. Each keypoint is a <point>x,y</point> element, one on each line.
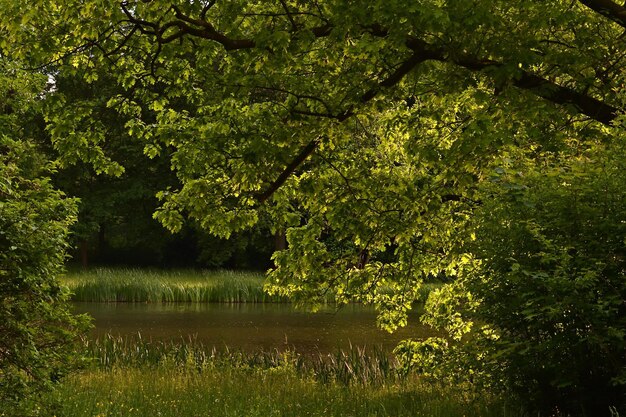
<point>370,131</point>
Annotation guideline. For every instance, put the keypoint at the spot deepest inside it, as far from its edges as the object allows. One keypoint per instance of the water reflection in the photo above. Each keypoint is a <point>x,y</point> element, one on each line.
<point>249,327</point>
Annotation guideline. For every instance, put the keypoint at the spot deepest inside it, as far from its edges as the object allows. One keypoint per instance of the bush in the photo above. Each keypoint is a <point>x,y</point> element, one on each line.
<point>539,307</point>
<point>36,327</point>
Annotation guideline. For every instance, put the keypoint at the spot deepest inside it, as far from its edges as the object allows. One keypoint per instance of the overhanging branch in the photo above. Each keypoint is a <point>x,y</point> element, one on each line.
<point>421,51</point>
<point>541,87</point>
<point>608,9</point>
<point>303,155</point>
<point>310,147</point>
<point>583,103</point>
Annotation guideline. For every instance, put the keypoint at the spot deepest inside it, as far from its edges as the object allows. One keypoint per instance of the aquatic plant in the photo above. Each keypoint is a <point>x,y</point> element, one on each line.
<point>183,285</point>
<point>148,285</point>
<point>358,365</point>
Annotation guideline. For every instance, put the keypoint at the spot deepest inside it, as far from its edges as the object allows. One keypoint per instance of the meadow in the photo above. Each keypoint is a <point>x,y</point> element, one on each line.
<point>233,392</point>
<point>138,378</point>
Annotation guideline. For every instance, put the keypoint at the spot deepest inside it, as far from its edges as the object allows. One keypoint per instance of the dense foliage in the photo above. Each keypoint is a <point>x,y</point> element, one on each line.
<point>377,135</point>
<point>115,223</point>
<point>538,307</point>
<point>35,323</point>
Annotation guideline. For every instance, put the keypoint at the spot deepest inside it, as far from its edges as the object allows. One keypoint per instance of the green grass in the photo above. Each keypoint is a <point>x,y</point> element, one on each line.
<point>230,391</point>
<point>352,366</point>
<point>133,377</point>
<point>145,285</point>
<point>173,286</point>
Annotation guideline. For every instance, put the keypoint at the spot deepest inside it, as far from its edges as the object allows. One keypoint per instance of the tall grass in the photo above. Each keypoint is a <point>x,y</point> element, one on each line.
<point>134,377</point>
<point>145,285</point>
<point>169,392</point>
<point>355,365</point>
<point>172,286</point>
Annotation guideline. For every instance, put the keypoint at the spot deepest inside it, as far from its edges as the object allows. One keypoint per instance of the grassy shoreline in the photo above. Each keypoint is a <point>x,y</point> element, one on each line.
<point>110,285</point>
<point>168,392</point>
<point>137,378</point>
<point>163,286</point>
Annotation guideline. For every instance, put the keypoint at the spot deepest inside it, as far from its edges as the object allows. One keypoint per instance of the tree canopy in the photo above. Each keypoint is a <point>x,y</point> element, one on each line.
<point>374,133</point>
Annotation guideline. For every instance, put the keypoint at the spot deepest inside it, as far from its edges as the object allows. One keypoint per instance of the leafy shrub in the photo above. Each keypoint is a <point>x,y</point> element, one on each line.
<point>36,327</point>
<point>539,307</point>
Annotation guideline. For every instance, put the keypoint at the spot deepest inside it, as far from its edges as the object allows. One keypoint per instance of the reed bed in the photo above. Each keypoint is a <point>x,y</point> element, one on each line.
<point>111,285</point>
<point>159,286</point>
<point>356,365</point>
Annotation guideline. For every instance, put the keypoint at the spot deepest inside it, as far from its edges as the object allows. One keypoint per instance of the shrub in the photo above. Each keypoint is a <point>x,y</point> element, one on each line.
<point>36,327</point>
<point>539,305</point>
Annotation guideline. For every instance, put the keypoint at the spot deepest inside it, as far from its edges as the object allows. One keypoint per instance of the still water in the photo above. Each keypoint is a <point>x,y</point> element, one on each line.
<point>250,327</point>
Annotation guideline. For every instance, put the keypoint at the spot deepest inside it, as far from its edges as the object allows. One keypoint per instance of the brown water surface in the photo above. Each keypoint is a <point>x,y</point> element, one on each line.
<point>250,327</point>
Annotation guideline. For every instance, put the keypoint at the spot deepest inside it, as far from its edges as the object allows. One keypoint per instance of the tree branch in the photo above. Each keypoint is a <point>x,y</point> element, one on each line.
<point>541,87</point>
<point>310,147</point>
<point>608,9</point>
<point>206,9</point>
<point>304,153</point>
<point>583,103</point>
<point>422,51</point>
<point>294,25</point>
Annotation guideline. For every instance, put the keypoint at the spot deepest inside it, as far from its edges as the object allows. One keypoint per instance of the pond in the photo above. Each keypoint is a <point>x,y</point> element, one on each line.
<point>250,327</point>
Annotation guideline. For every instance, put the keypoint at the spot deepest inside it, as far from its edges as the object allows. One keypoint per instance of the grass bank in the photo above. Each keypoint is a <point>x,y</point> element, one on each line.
<point>146,285</point>
<point>132,377</point>
<point>171,392</point>
<point>174,286</point>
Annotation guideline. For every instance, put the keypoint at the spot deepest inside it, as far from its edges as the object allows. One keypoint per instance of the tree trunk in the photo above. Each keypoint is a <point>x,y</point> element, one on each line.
<point>280,240</point>
<point>84,253</point>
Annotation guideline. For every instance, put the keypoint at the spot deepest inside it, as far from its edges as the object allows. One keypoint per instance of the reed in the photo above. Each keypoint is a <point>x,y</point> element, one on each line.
<point>145,285</point>
<point>177,286</point>
<point>356,365</point>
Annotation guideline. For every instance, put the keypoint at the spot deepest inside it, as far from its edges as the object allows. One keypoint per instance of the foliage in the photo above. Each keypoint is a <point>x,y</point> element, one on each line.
<point>362,128</point>
<point>35,322</point>
<point>117,197</point>
<point>541,303</point>
<point>118,194</point>
<point>369,131</point>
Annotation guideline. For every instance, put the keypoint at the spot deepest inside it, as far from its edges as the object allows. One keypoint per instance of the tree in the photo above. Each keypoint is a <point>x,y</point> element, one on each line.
<point>116,199</point>
<point>38,330</point>
<point>368,130</point>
